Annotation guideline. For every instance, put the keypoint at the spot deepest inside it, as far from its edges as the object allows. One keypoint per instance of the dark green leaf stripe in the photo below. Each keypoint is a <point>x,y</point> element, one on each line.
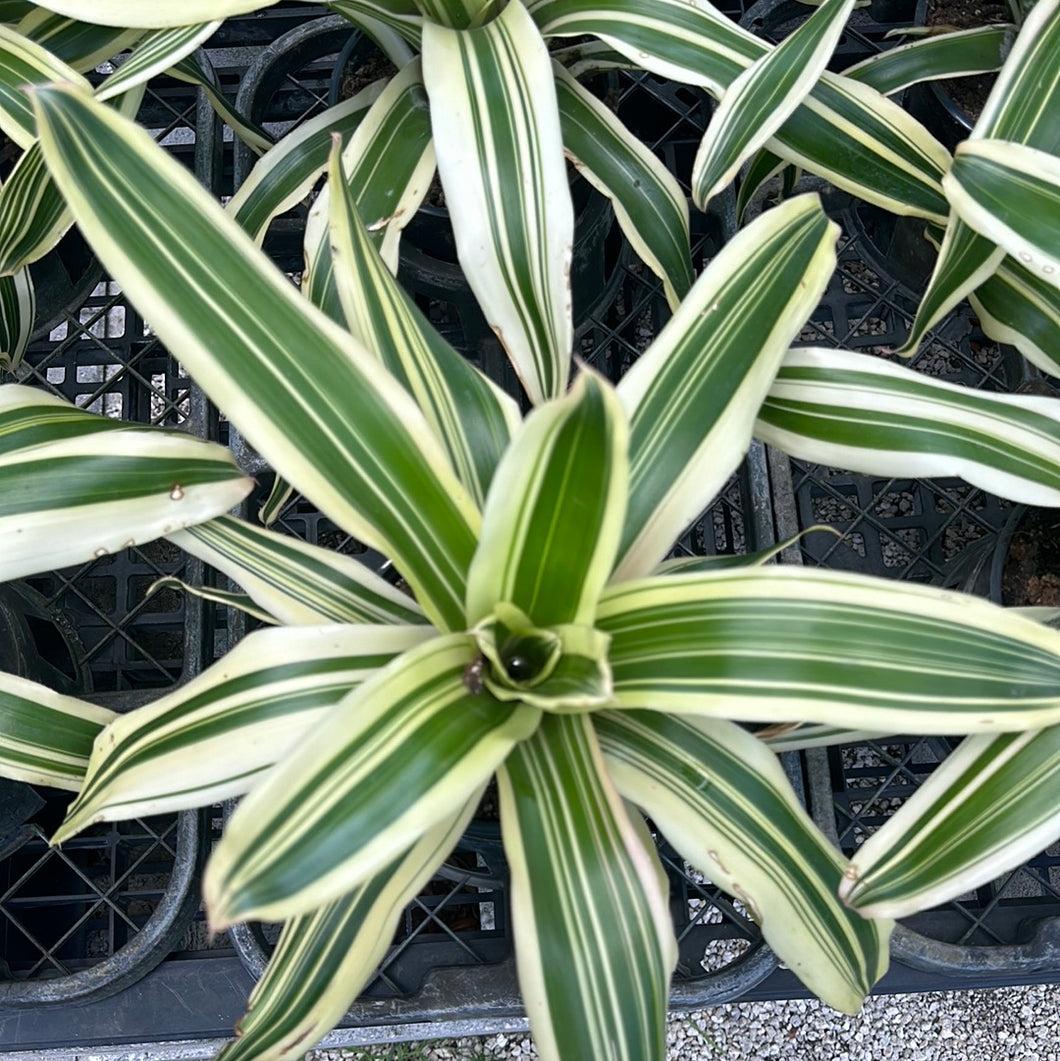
<point>344,434</point>
<point>724,800</point>
<point>45,738</point>
<point>763,167</point>
<point>498,132</point>
<point>401,753</point>
<point>456,14</point>
<point>859,412</point>
<point>713,364</point>
<point>562,484</point>
<point>844,131</point>
<point>17,308</point>
<point>324,960</point>
<point>212,738</point>
<point>286,173</point>
<point>472,418</point>
<point>1015,306</point>
<point>756,104</point>
<point>24,62</point>
<point>594,946</point>
<point>294,581</point>
<point>403,16</point>
<point>648,201</point>
<point>782,645</point>
<point>1026,97</point>
<point>155,53</point>
<point>990,806</point>
<point>973,51</point>
<point>1011,194</point>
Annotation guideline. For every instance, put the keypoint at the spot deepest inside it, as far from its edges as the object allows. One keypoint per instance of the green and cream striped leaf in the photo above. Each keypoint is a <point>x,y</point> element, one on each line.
<point>779,644</point>
<point>324,959</point>
<point>215,737</point>
<point>966,260</point>
<point>347,436</point>
<point>795,737</point>
<point>860,412</point>
<point>18,304</point>
<point>554,515</point>
<point>286,173</point>
<point>762,168</point>
<point>297,583</point>
<point>399,754</point>
<point>455,14</point>
<point>279,494</point>
<point>400,16</point>
<point>688,565</point>
<point>192,72</point>
<point>155,53</point>
<point>46,738</point>
<point>1015,306</point>
<point>23,63</point>
<point>692,397</point>
<point>158,14</point>
<point>757,103</point>
<point>500,158</point>
<point>588,57</point>
<point>1010,194</point>
<point>74,485</point>
<point>471,417</point>
<point>594,943</point>
<point>1025,99</point>
<point>387,168</point>
<point>843,131</point>
<point>723,800</point>
<point>83,45</point>
<point>226,598</point>
<point>979,50</point>
<point>649,204</point>
<point>988,808</point>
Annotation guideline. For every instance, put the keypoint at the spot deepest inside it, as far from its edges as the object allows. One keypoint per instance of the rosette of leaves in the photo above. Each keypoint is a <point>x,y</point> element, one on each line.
<point>547,642</point>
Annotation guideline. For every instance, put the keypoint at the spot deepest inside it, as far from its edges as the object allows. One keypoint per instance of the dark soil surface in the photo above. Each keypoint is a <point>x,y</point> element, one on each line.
<point>969,93</point>
<point>1032,570</point>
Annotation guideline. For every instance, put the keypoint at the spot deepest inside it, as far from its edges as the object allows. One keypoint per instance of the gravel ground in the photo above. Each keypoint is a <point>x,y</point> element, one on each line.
<point>1003,1024</point>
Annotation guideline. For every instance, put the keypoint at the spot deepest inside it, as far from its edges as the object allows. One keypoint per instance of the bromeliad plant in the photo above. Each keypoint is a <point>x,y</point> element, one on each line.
<point>546,642</point>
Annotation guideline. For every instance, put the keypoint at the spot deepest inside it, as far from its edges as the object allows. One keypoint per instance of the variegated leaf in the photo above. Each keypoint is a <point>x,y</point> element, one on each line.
<point>1016,306</point>
<point>74,485</point>
<point>399,754</point>
<point>471,417</point>
<point>795,736</point>
<point>400,16</point>
<point>693,395</point>
<point>860,412</point>
<point>18,304</point>
<point>45,738</point>
<point>757,103</point>
<point>324,959</point>
<point>723,800</point>
<point>1010,194</point>
<point>329,424</point>
<point>297,583</point>
<point>784,644</point>
<point>594,942</point>
<point>648,202</point>
<point>989,807</point>
<point>554,515</point>
<point>387,167</point>
<point>23,62</point>
<point>496,130</point>
<point>154,54</point>
<point>843,131</point>
<point>979,50</point>
<point>762,168</point>
<point>192,72</point>
<point>286,173</point>
<point>213,738</point>
<point>226,598</point>
<point>83,45</point>
<point>158,14</point>
<point>456,14</point>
